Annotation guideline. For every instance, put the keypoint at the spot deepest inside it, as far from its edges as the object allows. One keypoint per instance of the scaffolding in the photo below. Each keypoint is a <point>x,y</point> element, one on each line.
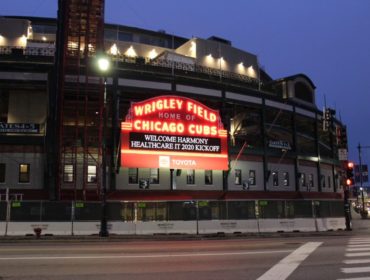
<point>80,94</point>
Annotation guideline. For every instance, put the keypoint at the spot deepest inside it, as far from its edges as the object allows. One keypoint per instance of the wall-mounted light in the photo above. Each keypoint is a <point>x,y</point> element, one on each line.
<point>251,72</point>
<point>114,50</point>
<point>193,49</point>
<point>24,39</point>
<point>43,38</point>
<point>131,52</point>
<point>241,68</point>
<point>209,59</point>
<point>152,54</point>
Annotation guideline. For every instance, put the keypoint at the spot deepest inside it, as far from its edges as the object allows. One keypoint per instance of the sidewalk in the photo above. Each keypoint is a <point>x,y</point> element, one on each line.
<point>359,224</point>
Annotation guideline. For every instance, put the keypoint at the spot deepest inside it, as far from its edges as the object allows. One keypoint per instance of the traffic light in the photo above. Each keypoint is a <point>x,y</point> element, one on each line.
<point>349,174</point>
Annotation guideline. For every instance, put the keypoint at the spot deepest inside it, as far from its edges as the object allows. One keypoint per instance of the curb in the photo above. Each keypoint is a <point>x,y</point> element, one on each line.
<point>168,237</point>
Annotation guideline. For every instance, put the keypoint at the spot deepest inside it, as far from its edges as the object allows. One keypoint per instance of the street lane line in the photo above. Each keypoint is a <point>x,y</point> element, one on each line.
<point>358,261</point>
<point>211,254</point>
<point>360,269</point>
<point>286,266</point>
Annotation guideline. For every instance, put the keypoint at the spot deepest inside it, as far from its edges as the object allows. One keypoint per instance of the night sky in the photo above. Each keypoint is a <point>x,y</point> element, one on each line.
<point>327,40</point>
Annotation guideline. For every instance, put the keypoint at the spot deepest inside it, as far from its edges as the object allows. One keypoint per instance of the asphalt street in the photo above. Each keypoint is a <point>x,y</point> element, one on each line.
<point>318,257</point>
<point>330,255</point>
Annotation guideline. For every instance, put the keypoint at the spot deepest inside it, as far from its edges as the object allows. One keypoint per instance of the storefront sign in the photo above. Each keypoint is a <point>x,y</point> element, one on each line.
<point>279,144</point>
<point>173,132</point>
<point>19,128</point>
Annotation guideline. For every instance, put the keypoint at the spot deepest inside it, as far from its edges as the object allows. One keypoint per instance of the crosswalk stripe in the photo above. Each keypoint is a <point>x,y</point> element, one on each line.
<point>357,278</point>
<point>286,266</point>
<point>357,249</point>
<point>358,261</point>
<point>356,269</point>
<point>360,238</point>
<point>367,254</point>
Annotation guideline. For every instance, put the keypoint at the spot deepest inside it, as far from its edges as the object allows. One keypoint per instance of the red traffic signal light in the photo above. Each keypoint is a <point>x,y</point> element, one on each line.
<point>349,182</point>
<point>349,173</point>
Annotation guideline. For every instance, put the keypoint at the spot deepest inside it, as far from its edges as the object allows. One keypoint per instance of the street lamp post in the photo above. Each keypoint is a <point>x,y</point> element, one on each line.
<point>104,65</point>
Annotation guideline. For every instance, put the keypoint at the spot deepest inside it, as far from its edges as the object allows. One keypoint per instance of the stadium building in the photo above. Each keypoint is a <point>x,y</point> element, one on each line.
<point>174,129</point>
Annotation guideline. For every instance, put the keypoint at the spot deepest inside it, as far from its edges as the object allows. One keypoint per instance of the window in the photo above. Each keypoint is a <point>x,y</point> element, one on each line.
<point>24,173</point>
<point>132,175</point>
<point>190,177</point>
<point>154,176</point>
<point>286,179</point>
<point>275,178</point>
<point>2,172</point>
<point>110,34</point>
<point>310,181</point>
<point>238,177</point>
<point>68,173</point>
<point>208,177</point>
<point>91,174</point>
<point>303,179</point>
<point>48,29</point>
<point>329,182</point>
<point>252,177</point>
<point>124,36</point>
<point>323,181</point>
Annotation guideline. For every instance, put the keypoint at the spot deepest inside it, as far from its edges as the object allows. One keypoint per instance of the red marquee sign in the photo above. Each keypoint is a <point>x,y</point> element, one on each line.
<point>173,132</point>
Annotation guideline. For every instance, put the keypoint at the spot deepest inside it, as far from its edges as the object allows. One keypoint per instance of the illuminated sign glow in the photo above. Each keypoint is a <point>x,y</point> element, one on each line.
<point>173,132</point>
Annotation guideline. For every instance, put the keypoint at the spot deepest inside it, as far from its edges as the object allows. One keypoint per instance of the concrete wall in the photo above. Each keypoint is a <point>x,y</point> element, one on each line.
<point>176,227</point>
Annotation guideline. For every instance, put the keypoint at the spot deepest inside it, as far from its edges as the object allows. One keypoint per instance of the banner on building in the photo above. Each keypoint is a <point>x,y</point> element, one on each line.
<point>19,128</point>
<point>173,132</point>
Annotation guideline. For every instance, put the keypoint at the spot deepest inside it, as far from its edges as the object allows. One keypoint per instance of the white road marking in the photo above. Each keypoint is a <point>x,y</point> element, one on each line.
<point>210,254</point>
<point>357,278</point>
<point>286,266</point>
<point>350,255</point>
<point>361,238</point>
<point>358,261</point>
<point>357,245</point>
<point>360,269</point>
<point>358,249</point>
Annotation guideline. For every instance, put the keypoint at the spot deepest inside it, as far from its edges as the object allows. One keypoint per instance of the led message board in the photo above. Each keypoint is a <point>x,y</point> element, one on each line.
<point>173,132</point>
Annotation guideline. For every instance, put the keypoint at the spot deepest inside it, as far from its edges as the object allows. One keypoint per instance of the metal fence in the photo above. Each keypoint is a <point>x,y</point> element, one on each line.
<point>27,211</point>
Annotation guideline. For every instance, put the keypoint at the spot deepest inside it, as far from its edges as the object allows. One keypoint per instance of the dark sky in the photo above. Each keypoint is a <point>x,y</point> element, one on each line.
<point>328,40</point>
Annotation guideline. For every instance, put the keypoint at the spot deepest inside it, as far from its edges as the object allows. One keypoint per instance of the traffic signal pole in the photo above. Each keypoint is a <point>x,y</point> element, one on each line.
<point>347,208</point>
<point>363,210</point>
